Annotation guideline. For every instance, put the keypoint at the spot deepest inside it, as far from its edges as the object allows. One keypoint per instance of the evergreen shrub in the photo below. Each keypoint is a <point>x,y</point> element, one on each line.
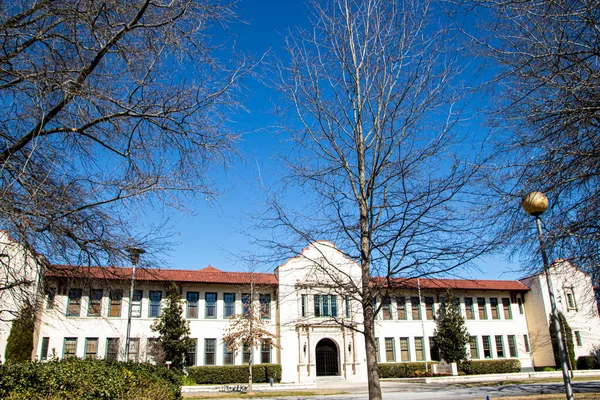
<point>480,367</point>
<point>218,375</point>
<point>587,362</point>
<point>403,370</point>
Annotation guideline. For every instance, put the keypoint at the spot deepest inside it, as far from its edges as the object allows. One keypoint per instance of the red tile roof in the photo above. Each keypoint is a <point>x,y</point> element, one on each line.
<point>461,284</point>
<point>205,275</point>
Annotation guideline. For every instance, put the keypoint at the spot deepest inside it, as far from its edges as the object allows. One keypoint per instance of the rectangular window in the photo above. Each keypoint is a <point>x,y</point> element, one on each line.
<point>229,301</point>
<point>209,351</point>
<point>246,351</point>
<point>227,355</point>
<point>317,305</point>
<point>571,305</point>
<point>45,345</point>
<point>481,307</point>
<point>389,350</point>
<point>401,305</point>
<point>190,355</point>
<point>386,307</point>
<point>347,306</point>
<point>404,350</point>
<point>246,303</point>
<point>152,350</point>
<point>434,351</point>
<point>469,312</point>
<point>116,296</point>
<point>520,303</point>
<point>210,309</point>
<point>136,303</point>
<point>499,346</point>
<point>192,304</point>
<point>70,347</point>
<point>474,348</point>
<point>303,304</point>
<point>265,353</point>
<point>487,353</point>
<point>512,346</point>
<point>429,308</point>
<point>51,298</point>
<point>95,303</point>
<point>415,306</point>
<point>74,303</point>
<point>494,307</point>
<point>155,297</point>
<point>578,338</point>
<point>526,341</point>
<point>333,305</point>
<point>134,349</point>
<point>419,353</point>
<point>112,349</point>
<point>91,348</point>
<point>506,305</point>
<point>265,306</point>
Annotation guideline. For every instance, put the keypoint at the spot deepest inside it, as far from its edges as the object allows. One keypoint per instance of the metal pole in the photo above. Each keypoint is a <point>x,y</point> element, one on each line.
<point>127,337</point>
<point>561,349</point>
<point>423,326</point>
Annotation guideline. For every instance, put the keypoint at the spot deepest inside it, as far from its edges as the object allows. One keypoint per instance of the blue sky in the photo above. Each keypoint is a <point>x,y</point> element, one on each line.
<point>213,232</point>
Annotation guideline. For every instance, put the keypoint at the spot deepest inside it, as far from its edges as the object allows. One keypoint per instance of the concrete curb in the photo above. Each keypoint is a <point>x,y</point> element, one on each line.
<point>258,387</point>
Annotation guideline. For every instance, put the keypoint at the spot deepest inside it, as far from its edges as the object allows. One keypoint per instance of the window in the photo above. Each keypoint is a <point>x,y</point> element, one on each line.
<point>112,349</point>
<point>419,353</point>
<point>190,355</point>
<point>74,303</point>
<point>486,347</point>
<point>209,351</point>
<point>116,296</point>
<point>520,303</point>
<point>494,307</point>
<point>415,306</point>
<point>325,305</point>
<point>265,306</point>
<point>192,304</point>
<point>401,305</point>
<point>210,309</point>
<point>386,307</point>
<point>481,307</point>
<point>136,303</point>
<point>45,345</point>
<point>152,350</point>
<point>470,313</point>
<point>389,350</point>
<point>404,351</point>
<point>578,338</point>
<point>134,349</point>
<point>303,304</point>
<point>571,305</point>
<point>512,346</point>
<point>246,351</point>
<point>429,307</point>
<point>70,347</point>
<point>246,303</point>
<point>265,353</point>
<point>95,304</point>
<point>227,355</point>
<point>526,341</point>
<point>473,347</point>
<point>347,306</point>
<point>155,297</point>
<point>229,301</point>
<point>506,305</point>
<point>434,351</point>
<point>51,298</point>
<point>91,348</point>
<point>499,346</point>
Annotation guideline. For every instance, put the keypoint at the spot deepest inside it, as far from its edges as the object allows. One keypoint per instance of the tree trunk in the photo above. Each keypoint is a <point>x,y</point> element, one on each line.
<point>250,390</point>
<point>371,351</point>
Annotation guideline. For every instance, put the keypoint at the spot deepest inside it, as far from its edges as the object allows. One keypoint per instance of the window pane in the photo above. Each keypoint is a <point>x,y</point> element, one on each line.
<point>429,307</point>
<point>494,307</point>
<point>190,356</point>
<point>401,303</point>
<point>506,305</point>
<point>481,307</point>
<point>499,346</point>
<point>486,347</point>
<point>91,348</point>
<point>265,353</point>
<point>474,348</point>
<point>333,302</point>
<point>211,305</point>
<point>116,296</point>
<point>265,306</point>
<point>434,351</point>
<point>136,304</point>
<point>404,351</point>
<point>246,303</point>
<point>227,355</point>
<point>416,308</point>
<point>526,340</point>
<point>246,351</point>
<point>209,351</point>
<point>386,307</point>
<point>155,297</point>
<point>45,345</point>
<point>229,300</point>
<point>419,349</point>
<point>469,308</point>
<point>112,349</point>
<point>134,349</point>
<point>512,346</point>
<point>95,303</point>
<point>303,305</point>
<point>70,347</point>
<point>389,350</point>
<point>192,304</point>
<point>74,302</point>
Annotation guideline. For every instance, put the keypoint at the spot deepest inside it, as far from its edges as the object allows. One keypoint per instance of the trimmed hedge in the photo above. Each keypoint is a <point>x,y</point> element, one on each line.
<point>218,375</point>
<point>403,370</point>
<point>587,362</point>
<point>74,378</point>
<point>479,367</point>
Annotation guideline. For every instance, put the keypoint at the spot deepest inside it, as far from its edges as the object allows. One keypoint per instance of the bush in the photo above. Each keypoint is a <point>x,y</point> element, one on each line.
<point>234,374</point>
<point>403,370</point>
<point>20,340</point>
<point>587,362</point>
<point>73,378</point>
<point>479,367</point>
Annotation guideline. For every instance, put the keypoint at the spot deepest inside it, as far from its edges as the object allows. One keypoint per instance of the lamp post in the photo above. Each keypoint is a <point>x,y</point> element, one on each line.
<point>534,204</point>
<point>134,256</point>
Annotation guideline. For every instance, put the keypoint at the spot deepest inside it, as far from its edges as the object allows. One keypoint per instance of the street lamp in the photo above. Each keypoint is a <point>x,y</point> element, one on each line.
<point>534,204</point>
<point>134,256</point>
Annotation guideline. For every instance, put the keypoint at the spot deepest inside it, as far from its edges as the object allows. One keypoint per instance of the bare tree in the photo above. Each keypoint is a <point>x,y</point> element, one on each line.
<point>376,164</point>
<point>545,111</point>
<point>107,105</point>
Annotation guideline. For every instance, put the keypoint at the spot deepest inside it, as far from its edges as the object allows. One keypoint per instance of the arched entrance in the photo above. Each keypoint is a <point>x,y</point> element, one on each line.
<point>327,358</point>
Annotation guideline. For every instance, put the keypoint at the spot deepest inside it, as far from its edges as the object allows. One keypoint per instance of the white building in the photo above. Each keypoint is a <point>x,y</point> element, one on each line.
<point>84,313</point>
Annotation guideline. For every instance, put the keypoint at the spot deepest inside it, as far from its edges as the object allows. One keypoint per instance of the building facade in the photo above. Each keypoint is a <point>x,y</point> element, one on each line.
<point>311,304</point>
